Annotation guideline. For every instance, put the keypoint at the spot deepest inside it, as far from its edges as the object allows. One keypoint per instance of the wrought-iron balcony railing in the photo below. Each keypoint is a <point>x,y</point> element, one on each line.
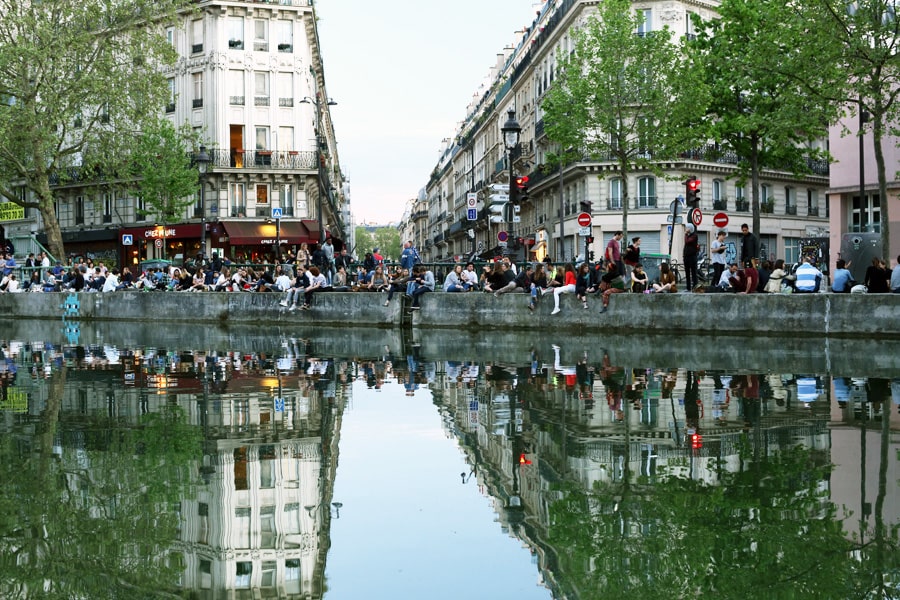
<point>720,204</point>
<point>614,204</point>
<point>767,207</point>
<point>813,211</point>
<point>645,202</point>
<point>267,159</point>
<point>742,205</point>
<point>790,210</point>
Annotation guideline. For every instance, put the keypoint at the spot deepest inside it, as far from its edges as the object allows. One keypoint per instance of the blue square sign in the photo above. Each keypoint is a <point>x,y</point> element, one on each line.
<point>472,214</point>
<point>276,213</point>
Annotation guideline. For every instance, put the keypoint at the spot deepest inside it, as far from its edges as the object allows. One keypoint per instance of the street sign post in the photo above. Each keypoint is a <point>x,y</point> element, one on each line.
<point>472,214</point>
<point>472,199</point>
<point>584,232</point>
<point>499,187</point>
<point>502,236</point>
<point>584,219</point>
<point>696,216</point>
<point>276,212</point>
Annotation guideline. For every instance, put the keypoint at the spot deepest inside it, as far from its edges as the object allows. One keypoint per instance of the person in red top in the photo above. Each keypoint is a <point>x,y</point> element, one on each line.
<point>750,278</point>
<point>568,286</point>
<point>379,259</point>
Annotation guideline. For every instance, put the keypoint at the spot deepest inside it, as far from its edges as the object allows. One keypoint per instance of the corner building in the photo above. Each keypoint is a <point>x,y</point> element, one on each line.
<point>793,209</point>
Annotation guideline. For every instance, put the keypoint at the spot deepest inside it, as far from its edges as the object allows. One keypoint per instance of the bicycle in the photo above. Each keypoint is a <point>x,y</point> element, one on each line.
<point>704,270</point>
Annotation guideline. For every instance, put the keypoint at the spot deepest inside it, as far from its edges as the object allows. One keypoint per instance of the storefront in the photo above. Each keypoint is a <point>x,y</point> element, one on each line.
<point>97,244</point>
<point>256,241</point>
<point>172,242</point>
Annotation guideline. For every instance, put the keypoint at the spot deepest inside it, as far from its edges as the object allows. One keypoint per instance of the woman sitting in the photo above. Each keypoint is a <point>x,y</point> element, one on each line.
<point>666,280</point>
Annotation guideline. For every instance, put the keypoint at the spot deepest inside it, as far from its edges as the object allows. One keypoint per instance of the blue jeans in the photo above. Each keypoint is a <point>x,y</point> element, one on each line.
<point>417,293</point>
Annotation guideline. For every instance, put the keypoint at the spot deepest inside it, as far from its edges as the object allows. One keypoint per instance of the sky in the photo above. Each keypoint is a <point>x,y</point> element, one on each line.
<point>402,74</point>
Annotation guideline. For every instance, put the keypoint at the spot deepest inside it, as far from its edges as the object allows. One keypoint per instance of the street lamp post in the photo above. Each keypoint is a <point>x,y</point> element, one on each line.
<point>319,162</point>
<point>202,160</point>
<point>511,131</point>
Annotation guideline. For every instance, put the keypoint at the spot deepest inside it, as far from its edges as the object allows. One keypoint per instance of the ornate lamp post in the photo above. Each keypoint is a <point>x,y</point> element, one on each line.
<point>511,131</point>
<point>202,159</point>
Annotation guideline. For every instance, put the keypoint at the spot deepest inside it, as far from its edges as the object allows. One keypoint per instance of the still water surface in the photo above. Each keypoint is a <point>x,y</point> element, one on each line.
<point>295,466</point>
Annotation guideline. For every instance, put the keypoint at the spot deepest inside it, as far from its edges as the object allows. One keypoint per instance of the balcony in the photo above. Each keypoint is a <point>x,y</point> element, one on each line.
<point>614,204</point>
<point>286,102</point>
<point>197,103</point>
<point>813,211</point>
<point>742,205</point>
<point>170,107</point>
<point>236,100</point>
<point>767,207</point>
<point>107,218</point>
<point>196,48</point>
<point>645,202</point>
<point>239,210</point>
<point>720,204</point>
<point>260,101</point>
<point>285,47</point>
<point>790,210</point>
<point>247,159</point>
<point>236,44</point>
<point>261,46</point>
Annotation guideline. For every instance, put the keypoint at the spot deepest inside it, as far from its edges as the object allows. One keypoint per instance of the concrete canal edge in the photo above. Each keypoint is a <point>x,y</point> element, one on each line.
<point>806,315</point>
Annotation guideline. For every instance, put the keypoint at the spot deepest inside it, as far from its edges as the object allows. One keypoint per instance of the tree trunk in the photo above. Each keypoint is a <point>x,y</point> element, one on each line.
<point>47,209</point>
<point>878,114</point>
<point>754,174</point>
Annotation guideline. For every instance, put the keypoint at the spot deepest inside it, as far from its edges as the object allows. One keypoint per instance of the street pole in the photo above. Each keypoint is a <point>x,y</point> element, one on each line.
<point>202,160</point>
<point>511,131</point>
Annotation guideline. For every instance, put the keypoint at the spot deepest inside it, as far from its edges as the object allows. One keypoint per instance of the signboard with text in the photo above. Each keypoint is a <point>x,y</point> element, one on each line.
<point>11,212</point>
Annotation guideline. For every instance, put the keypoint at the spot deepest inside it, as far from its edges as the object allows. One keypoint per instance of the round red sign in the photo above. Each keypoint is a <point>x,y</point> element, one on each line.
<point>584,219</point>
<point>720,219</point>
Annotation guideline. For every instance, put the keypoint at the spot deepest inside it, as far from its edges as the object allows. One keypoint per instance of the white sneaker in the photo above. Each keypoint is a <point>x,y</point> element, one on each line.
<point>386,302</point>
<point>283,303</point>
<point>293,307</point>
<point>555,311</point>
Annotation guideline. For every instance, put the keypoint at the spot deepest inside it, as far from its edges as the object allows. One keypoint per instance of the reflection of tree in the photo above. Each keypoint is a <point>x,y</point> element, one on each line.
<point>96,521</point>
<point>765,532</point>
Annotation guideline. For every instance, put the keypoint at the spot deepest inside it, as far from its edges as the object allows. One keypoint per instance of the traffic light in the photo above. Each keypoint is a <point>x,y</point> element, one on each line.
<point>591,255</point>
<point>696,441</point>
<point>586,206</point>
<point>522,188</point>
<point>692,192</point>
<point>495,208</point>
<point>589,239</point>
<point>523,460</point>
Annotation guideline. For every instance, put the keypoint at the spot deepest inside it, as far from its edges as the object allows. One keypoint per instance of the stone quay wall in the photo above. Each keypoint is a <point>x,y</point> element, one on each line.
<point>791,315</point>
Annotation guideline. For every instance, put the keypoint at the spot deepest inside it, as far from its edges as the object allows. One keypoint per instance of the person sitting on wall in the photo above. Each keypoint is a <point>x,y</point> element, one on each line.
<point>842,280</point>
<point>809,278</point>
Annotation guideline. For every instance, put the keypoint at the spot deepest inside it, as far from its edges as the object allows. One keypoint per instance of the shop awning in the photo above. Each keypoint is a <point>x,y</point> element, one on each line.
<point>256,233</point>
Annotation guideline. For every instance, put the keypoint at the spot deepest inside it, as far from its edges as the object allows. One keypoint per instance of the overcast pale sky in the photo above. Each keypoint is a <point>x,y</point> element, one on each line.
<point>402,74</point>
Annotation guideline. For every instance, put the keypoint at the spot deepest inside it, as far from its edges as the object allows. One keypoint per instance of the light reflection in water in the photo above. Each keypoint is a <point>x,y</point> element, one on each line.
<point>210,470</point>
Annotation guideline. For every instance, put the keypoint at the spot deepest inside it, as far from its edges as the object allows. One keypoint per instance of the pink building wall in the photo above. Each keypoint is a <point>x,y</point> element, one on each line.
<point>845,182</point>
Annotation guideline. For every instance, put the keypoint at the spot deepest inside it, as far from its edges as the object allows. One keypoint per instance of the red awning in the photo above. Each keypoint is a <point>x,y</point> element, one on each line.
<point>255,233</point>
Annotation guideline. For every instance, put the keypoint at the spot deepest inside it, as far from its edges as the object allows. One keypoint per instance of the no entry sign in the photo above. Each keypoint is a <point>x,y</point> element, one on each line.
<point>584,219</point>
<point>720,219</point>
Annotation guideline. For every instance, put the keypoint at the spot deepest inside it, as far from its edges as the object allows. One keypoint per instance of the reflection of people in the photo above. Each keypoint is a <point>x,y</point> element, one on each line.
<point>692,401</point>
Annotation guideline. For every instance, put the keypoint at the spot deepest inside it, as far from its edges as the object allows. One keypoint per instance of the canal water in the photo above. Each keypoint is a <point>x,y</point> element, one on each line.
<point>350,464</point>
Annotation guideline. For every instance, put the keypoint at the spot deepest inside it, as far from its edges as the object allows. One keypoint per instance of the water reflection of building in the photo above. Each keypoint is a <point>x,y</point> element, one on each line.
<point>531,432</point>
<point>257,526</point>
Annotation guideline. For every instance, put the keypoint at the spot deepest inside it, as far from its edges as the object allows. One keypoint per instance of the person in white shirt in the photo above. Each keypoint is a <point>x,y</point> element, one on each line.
<point>112,281</point>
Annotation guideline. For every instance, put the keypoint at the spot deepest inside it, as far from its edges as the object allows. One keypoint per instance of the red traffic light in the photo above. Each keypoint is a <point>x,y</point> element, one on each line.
<point>693,184</point>
<point>523,460</point>
<point>522,181</point>
<point>696,441</point>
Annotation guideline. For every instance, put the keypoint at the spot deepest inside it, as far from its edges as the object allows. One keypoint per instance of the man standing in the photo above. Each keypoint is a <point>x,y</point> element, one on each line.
<point>614,252</point>
<point>343,260</point>
<point>717,250</point>
<point>409,257</point>
<point>749,244</point>
<point>689,256</point>
<point>328,249</point>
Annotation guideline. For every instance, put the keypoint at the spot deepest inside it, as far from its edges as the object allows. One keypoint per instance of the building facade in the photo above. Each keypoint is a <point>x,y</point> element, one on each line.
<point>250,81</point>
<point>792,208</point>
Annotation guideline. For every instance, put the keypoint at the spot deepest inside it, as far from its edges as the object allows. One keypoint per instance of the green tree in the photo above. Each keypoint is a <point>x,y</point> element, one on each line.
<point>758,105</point>
<point>623,96</point>
<point>862,39</point>
<point>76,79</point>
<point>167,180</point>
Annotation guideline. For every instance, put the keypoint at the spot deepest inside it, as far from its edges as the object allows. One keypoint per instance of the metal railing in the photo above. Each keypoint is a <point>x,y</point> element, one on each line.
<point>254,159</point>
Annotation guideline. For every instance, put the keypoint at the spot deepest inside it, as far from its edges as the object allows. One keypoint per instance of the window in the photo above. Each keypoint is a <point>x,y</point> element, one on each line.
<point>267,467</point>
<point>197,85</point>
<point>236,86</point>
<point>718,195</point>
<point>242,575</point>
<point>644,21</point>
<point>261,89</point>
<point>689,32</point>
<point>791,249</point>
<point>285,139</point>
<point>740,201</point>
<point>292,576</point>
<point>261,35</point>
<point>196,36</point>
<point>287,199</point>
<point>202,523</point>
<point>170,103</point>
<point>170,36</point>
<point>766,200</point>
<point>285,36</point>
<point>262,193</point>
<point>865,215</point>
<point>205,574</point>
<point>240,469</point>
<point>615,194</point>
<point>646,192</point>
<point>790,200</point>
<point>79,210</point>
<point>237,199</point>
<point>262,138</point>
<point>140,209</point>
<point>267,527</point>
<point>269,572</point>
<point>236,34</point>
<point>107,208</point>
<point>812,202</point>
<point>285,89</point>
